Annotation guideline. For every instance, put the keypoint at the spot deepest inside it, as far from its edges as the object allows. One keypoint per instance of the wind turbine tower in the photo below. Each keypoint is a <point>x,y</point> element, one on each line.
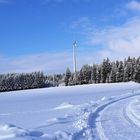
<point>74,56</point>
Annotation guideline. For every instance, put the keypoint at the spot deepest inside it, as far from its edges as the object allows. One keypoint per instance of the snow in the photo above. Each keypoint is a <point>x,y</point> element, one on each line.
<point>133,112</point>
<point>64,106</point>
<point>87,112</point>
<point>8,131</point>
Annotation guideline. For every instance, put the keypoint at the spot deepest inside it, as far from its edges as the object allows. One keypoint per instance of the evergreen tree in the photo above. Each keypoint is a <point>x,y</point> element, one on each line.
<point>112,76</point>
<point>99,70</point>
<point>85,74</point>
<point>94,74</point>
<point>120,72</point>
<point>137,71</point>
<point>105,70</point>
<point>127,71</point>
<point>76,78</point>
<point>134,66</point>
<point>67,77</point>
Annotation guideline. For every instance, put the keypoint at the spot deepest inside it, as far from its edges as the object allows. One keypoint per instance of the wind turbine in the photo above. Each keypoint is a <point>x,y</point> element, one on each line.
<point>74,56</point>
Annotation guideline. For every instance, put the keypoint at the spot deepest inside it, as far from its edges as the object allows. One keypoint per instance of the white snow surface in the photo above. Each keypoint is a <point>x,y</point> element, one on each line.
<point>87,112</point>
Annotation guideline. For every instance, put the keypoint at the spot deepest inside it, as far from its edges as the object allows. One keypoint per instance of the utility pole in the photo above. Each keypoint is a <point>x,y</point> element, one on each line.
<point>54,79</point>
<point>74,56</point>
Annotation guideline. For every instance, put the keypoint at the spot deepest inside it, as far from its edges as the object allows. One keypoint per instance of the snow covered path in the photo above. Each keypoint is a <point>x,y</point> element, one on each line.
<point>114,123</point>
<point>114,118</point>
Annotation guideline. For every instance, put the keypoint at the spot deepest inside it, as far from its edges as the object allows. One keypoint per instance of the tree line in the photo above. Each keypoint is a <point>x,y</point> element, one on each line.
<point>106,72</point>
<point>14,81</point>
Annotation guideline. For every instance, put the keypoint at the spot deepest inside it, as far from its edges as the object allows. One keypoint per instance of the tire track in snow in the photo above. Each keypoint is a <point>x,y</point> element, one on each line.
<point>131,115</point>
<point>97,116</point>
<point>94,124</point>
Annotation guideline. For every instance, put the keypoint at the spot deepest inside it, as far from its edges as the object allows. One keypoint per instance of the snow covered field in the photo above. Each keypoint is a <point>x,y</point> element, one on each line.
<point>88,112</point>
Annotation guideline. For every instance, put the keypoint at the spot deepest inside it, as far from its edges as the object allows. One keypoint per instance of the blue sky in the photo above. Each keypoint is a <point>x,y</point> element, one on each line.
<point>38,34</point>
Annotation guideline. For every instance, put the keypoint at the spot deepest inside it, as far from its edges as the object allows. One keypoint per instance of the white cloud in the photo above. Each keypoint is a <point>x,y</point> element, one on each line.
<point>133,5</point>
<point>118,42</point>
<point>115,42</point>
<point>83,25</point>
<point>50,63</point>
<point>47,62</point>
